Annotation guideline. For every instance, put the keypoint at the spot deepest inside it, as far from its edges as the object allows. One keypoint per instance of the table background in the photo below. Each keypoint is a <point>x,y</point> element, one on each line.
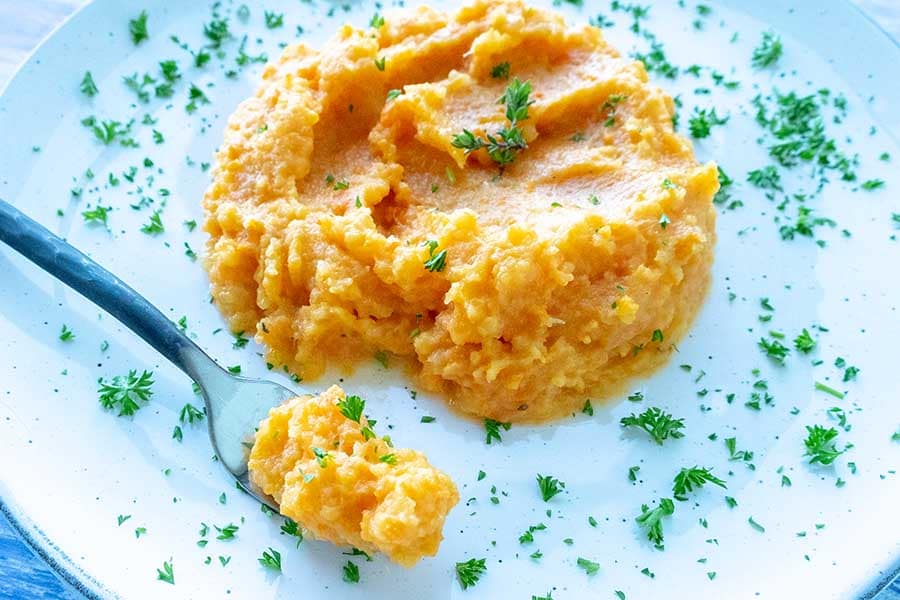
<point>23,23</point>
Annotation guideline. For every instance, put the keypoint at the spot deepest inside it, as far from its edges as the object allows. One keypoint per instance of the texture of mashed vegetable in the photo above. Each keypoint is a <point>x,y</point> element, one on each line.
<point>329,186</point>
<point>338,485</point>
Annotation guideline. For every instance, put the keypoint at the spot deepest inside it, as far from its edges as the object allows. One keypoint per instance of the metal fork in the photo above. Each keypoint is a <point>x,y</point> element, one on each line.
<point>234,405</point>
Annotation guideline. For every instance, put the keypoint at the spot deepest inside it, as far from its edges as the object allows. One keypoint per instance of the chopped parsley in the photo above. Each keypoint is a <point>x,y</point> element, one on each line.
<point>351,572</point>
<point>126,392</point>
<point>528,536</point>
<point>872,184</point>
<point>65,334</point>
<point>609,108</point>
<point>492,430</point>
<point>503,147</point>
<point>436,261</point>
<point>687,479</point>
<point>702,121</point>
<point>656,62</point>
<point>271,559</point>
<point>821,445</point>
<point>216,31</point>
<point>774,349</point>
<point>227,532</point>
<point>137,27</point>
<point>352,407</point>
<point>756,525</point>
<point>322,457</point>
<point>108,132</point>
<point>155,226</point>
<point>734,453</point>
<point>166,574</point>
<point>589,566</point>
<point>804,342</point>
<point>291,528</point>
<point>196,97</point>
<point>768,52</point>
<point>88,87</point>
<point>273,19</point>
<point>470,571</point>
<point>797,127</point>
<point>190,414</point>
<point>500,71</point>
<point>549,486</point>
<point>651,519</point>
<point>767,178</point>
<point>658,424</point>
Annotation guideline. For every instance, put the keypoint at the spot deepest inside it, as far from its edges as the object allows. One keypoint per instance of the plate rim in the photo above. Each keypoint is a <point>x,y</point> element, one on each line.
<point>78,581</point>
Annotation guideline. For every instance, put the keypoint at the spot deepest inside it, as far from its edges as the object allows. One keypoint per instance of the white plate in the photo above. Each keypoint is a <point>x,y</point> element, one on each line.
<point>69,468</point>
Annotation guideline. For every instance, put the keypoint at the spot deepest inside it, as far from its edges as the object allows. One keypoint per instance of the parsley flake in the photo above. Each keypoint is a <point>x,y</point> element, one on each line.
<point>768,52</point>
<point>658,424</point>
<point>271,559</point>
<point>549,486</point>
<point>651,519</point>
<point>138,28</point>
<point>88,87</point>
<point>470,571</point>
<point>492,430</point>
<point>687,479</point>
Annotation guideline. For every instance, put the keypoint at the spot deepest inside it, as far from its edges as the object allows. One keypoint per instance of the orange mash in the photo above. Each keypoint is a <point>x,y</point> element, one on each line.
<point>341,483</point>
<point>344,222</point>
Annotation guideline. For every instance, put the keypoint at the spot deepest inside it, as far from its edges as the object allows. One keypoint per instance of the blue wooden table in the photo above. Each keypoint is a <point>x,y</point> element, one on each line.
<point>23,23</point>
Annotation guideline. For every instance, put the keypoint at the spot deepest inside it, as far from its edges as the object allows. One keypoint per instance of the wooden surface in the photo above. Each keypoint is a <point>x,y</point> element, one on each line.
<point>23,24</point>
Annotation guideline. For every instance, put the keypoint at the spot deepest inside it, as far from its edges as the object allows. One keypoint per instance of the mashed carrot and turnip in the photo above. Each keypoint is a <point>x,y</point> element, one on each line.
<point>346,220</point>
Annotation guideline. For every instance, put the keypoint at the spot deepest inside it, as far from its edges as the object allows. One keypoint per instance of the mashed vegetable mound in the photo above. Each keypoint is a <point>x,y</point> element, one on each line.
<point>319,459</point>
<point>344,222</point>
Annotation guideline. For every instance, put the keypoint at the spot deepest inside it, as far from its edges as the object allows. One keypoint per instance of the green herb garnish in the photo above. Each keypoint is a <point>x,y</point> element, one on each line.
<point>470,571</point>
<point>271,559</point>
<point>126,392</point>
<point>138,28</point>
<point>695,477</point>
<point>503,147</point>
<point>88,87</point>
<point>768,52</point>
<point>549,486</point>
<point>821,445</point>
<point>658,424</point>
<point>492,430</point>
<point>651,519</point>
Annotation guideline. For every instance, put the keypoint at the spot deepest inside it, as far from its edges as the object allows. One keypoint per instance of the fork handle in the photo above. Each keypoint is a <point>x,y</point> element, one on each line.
<point>76,270</point>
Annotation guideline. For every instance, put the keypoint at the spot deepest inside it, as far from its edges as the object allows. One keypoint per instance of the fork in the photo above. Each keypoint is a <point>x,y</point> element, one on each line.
<point>234,405</point>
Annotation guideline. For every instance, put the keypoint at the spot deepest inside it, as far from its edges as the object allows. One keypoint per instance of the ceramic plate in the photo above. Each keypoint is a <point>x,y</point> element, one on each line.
<point>71,469</point>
